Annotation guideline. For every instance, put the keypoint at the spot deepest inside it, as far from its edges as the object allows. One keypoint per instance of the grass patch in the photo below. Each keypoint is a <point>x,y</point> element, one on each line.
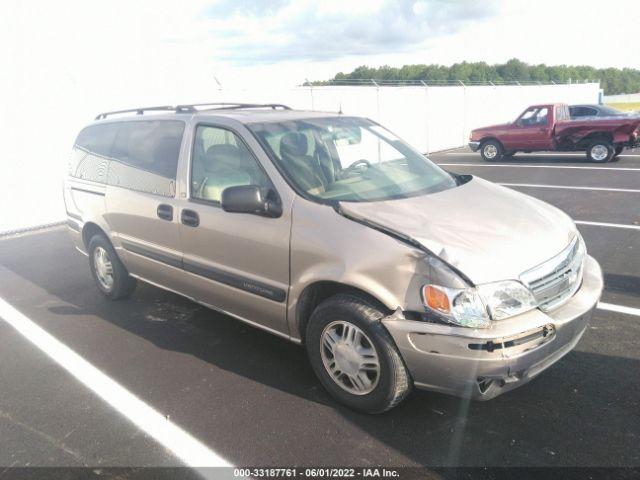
<point>626,106</point>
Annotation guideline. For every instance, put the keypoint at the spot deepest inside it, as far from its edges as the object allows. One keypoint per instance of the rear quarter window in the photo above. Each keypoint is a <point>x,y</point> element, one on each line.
<point>89,158</point>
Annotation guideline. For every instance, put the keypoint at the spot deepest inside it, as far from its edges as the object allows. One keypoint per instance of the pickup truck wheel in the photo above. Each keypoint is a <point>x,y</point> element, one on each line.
<point>491,151</point>
<point>353,355</point>
<point>600,151</point>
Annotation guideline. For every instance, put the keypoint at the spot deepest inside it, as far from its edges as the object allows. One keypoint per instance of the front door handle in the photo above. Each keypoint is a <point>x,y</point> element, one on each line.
<point>165,212</point>
<point>190,218</point>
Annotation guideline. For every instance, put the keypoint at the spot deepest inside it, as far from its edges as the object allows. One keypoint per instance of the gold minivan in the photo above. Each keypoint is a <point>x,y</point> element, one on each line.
<point>330,231</point>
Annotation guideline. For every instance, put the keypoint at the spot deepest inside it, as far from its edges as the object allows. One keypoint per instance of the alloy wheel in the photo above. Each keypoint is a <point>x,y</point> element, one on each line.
<point>599,152</point>
<point>490,151</point>
<point>103,267</point>
<point>350,357</point>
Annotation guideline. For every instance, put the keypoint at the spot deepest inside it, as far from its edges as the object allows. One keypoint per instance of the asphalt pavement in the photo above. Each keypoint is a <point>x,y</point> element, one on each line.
<point>253,399</point>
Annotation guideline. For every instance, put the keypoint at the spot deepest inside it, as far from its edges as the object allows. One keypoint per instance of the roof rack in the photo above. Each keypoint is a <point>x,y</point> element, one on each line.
<point>139,111</point>
<point>229,106</point>
<point>191,108</point>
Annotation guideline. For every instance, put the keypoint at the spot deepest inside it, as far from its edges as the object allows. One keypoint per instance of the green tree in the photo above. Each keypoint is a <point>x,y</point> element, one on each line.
<point>613,80</point>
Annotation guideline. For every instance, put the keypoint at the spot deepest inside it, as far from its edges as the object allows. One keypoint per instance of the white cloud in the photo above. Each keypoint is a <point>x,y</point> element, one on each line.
<point>310,30</point>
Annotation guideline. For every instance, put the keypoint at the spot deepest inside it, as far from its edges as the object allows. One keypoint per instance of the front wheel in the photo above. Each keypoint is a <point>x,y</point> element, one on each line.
<point>600,151</point>
<point>354,356</point>
<point>491,151</point>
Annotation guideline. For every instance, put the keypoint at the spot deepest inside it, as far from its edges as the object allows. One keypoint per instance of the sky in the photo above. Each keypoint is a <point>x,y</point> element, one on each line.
<point>160,43</point>
<point>64,61</point>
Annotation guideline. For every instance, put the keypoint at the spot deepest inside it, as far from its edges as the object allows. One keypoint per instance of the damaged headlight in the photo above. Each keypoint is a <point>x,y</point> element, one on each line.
<point>475,307</point>
<point>506,299</point>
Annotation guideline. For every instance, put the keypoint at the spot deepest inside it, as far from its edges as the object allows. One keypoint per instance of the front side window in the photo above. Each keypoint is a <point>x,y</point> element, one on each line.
<point>144,156</point>
<point>221,160</point>
<point>534,117</point>
<point>349,159</point>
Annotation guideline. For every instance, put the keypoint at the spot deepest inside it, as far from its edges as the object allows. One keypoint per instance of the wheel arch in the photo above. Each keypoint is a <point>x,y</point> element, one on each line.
<point>316,292</point>
<point>490,137</point>
<point>593,136</point>
<point>89,230</point>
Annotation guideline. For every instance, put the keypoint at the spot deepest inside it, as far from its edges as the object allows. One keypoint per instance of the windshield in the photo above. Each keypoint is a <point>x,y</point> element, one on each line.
<point>349,159</point>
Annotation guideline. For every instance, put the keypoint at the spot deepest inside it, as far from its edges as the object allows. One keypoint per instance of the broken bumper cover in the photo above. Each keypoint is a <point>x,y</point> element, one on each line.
<point>484,363</point>
<point>474,146</point>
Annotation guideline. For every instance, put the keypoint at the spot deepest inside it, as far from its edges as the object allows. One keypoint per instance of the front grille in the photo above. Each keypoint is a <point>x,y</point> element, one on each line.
<point>556,280</point>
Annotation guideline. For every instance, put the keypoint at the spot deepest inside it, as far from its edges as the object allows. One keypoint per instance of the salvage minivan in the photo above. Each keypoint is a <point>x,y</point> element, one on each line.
<point>330,231</point>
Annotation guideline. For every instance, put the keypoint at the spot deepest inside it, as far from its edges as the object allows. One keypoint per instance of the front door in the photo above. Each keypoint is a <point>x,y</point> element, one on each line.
<point>235,262</point>
<point>533,129</point>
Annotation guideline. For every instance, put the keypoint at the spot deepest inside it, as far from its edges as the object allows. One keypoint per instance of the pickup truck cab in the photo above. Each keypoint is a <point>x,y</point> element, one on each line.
<point>549,127</point>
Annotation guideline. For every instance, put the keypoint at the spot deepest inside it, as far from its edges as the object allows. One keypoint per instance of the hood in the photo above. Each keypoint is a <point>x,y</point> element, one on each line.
<point>486,231</point>
<point>490,127</point>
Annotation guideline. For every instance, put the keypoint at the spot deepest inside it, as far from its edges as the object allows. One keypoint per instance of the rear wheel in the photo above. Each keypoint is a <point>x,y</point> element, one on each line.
<point>354,356</point>
<point>110,275</point>
<point>600,151</point>
<point>491,151</point>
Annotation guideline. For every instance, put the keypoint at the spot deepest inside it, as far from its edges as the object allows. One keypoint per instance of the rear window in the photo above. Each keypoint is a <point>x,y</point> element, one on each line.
<point>562,113</point>
<point>144,156</point>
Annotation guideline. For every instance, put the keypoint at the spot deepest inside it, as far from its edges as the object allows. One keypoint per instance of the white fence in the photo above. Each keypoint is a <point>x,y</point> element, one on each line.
<point>430,118</point>
<point>628,98</point>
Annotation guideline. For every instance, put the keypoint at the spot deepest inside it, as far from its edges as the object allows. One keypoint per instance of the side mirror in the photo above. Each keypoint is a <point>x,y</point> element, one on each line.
<point>250,199</point>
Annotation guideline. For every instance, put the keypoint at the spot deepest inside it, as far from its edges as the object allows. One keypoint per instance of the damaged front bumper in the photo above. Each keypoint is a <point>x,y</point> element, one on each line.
<point>484,363</point>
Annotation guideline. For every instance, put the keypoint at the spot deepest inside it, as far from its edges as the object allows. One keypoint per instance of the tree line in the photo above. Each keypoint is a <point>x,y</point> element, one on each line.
<point>612,80</point>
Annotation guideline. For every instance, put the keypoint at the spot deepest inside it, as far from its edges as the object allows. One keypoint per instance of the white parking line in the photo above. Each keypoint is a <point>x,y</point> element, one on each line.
<point>188,449</point>
<point>609,225</point>
<point>619,308</point>
<point>623,169</point>
<point>558,154</point>
<point>571,187</point>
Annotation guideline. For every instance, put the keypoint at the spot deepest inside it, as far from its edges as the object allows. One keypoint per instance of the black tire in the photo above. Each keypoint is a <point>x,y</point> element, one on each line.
<point>491,150</point>
<point>393,380</point>
<point>123,284</point>
<point>618,151</point>
<point>596,151</point>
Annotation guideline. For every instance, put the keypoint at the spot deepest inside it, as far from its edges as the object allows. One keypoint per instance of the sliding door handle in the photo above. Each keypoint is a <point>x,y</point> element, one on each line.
<point>165,212</point>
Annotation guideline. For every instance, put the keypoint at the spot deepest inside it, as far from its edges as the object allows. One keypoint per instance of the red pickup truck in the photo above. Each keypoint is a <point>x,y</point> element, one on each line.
<point>549,127</point>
